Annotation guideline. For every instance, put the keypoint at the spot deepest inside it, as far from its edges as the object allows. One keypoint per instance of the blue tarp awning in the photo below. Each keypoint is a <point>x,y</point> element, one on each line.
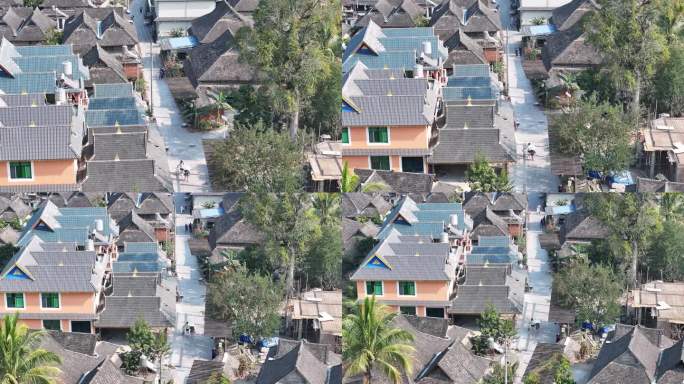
<point>210,213</point>
<point>174,43</point>
<point>538,30</point>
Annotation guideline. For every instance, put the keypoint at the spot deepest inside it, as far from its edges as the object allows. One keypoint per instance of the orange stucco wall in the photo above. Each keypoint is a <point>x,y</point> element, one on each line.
<point>425,290</point>
<point>363,162</point>
<point>44,172</point>
<point>70,302</point>
<point>399,137</point>
<point>38,324</point>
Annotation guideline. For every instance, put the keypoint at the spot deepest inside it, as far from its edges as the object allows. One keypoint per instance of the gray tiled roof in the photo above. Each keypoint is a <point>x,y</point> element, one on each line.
<point>113,117</point>
<point>460,146</point>
<point>475,116</point>
<point>201,371</point>
<point>123,312</point>
<point>29,83</point>
<point>387,110</point>
<point>122,146</point>
<point>52,278</point>
<point>406,268</point>
<point>481,275</point>
<point>26,100</point>
<point>403,182</point>
<point>473,299</point>
<point>113,90</point>
<point>134,285</point>
<point>46,115</point>
<point>81,30</point>
<point>40,143</point>
<point>112,103</point>
<point>123,176</point>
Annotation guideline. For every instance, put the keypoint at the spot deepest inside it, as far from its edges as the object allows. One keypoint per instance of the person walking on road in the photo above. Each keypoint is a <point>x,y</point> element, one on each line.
<point>531,150</point>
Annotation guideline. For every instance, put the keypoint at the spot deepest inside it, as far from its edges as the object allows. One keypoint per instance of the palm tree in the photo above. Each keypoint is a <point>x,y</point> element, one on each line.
<point>327,206</point>
<point>159,349</point>
<point>21,362</point>
<point>349,180</point>
<point>672,205</point>
<point>371,343</point>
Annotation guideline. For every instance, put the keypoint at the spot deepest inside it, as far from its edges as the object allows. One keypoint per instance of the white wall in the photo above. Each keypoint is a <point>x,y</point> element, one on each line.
<point>184,11</point>
<point>527,16</point>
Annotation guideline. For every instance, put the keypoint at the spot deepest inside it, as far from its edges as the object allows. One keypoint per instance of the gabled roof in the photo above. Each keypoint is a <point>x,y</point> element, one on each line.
<point>569,48</point>
<point>566,16</point>
<point>404,182</point>
<point>580,225</point>
<point>104,67</point>
<point>123,175</point>
<point>630,359</point>
<point>387,14</point>
<point>461,146</point>
<point>124,311</point>
<point>223,18</point>
<point>217,63</point>
<point>302,362</point>
<point>133,228</point>
<point>452,15</point>
<point>25,25</point>
<point>14,205</point>
<point>464,50</point>
<point>233,230</point>
<point>106,27</point>
<point>474,299</point>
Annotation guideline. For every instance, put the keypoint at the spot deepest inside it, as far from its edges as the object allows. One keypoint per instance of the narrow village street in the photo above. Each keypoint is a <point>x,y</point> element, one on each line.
<point>186,348</point>
<point>537,302</point>
<point>185,145</point>
<point>182,144</point>
<point>526,174</point>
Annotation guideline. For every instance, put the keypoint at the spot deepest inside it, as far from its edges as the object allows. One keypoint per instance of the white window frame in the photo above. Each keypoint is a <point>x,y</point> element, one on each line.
<point>389,136</point>
<point>59,300</point>
<point>415,288</point>
<point>9,171</point>
<point>365,288</point>
<point>23,295</point>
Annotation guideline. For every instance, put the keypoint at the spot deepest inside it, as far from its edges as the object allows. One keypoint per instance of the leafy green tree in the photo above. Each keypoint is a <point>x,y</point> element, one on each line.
<point>370,343</point>
<point>672,206</point>
<point>349,180</point>
<point>598,132</point>
<point>322,112</point>
<point>672,16</point>
<point>538,21</point>
<point>665,257</point>
<point>632,219</point>
<point>159,349</point>
<point>626,32</point>
<point>563,372</point>
<point>292,46</point>
<point>327,206</point>
<point>322,263</point>
<point>177,32</point>
<point>252,107</point>
<point>498,374</point>
<point>669,83</point>
<point>23,362</point>
<point>283,219</point>
<point>53,37</point>
<point>532,378</point>
<point>219,104</point>
<point>592,291</point>
<point>32,3</point>
<point>257,160</point>
<point>130,362</point>
<point>482,177</point>
<point>252,305</point>
<point>493,325</point>
<point>140,337</point>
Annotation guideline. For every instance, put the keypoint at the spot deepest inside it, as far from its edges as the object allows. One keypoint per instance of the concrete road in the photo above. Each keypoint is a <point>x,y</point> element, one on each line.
<point>186,349</point>
<point>182,143</point>
<point>537,302</point>
<point>526,175</point>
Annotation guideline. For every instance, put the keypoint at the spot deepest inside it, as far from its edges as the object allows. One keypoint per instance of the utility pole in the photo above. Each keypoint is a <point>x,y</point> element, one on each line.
<point>506,57</point>
<point>151,76</point>
<point>506,361</point>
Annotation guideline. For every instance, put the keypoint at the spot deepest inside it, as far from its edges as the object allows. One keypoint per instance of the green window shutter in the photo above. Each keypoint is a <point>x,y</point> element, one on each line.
<point>380,162</point>
<point>345,135</point>
<point>407,288</point>
<point>378,288</point>
<point>20,300</point>
<point>384,137</point>
<point>15,300</point>
<point>369,287</point>
<point>20,170</point>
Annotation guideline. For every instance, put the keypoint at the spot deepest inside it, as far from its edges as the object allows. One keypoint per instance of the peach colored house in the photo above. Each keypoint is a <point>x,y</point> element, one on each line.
<point>412,269</point>
<point>43,150</point>
<point>53,289</point>
<point>390,96</point>
<point>387,122</point>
